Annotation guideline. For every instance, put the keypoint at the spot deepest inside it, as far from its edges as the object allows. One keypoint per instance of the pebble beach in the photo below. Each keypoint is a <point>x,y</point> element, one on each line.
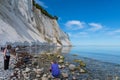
<point>72,67</point>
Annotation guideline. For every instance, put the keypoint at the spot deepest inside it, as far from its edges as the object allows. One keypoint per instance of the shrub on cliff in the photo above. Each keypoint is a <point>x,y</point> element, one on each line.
<point>44,11</point>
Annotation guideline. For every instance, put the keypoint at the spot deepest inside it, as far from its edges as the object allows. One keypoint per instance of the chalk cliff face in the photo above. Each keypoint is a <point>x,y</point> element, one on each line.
<point>21,22</point>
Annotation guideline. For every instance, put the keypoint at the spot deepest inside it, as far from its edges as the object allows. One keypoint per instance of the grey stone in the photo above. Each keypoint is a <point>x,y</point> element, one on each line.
<point>65,75</point>
<point>36,56</point>
<point>60,66</point>
<point>61,61</point>
<point>44,75</point>
<point>82,70</point>
<point>72,67</point>
<point>37,75</point>
<point>27,69</point>
<point>74,78</point>
<point>44,78</point>
<point>63,66</point>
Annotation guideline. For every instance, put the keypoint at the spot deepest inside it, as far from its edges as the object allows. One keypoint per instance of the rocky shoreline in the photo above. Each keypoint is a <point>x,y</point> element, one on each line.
<point>98,70</point>
<point>72,67</point>
<point>5,74</point>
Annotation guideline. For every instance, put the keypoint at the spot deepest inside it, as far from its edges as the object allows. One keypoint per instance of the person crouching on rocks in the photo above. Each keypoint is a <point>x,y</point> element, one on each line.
<point>55,69</point>
<point>7,52</point>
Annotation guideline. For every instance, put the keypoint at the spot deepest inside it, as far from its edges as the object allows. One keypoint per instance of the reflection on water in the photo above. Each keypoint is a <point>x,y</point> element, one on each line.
<point>66,50</point>
<point>101,53</point>
<point>46,49</point>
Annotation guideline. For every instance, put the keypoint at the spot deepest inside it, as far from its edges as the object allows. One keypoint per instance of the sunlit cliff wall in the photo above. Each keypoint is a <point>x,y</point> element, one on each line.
<point>21,22</point>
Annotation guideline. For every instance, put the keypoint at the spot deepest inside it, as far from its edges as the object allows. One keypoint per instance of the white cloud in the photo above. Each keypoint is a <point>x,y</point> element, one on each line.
<point>41,3</point>
<point>114,32</point>
<point>117,31</point>
<point>79,35</point>
<point>95,26</point>
<point>83,33</point>
<point>74,24</point>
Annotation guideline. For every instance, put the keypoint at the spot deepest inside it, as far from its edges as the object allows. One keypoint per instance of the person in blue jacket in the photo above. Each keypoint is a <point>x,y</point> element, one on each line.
<point>55,69</point>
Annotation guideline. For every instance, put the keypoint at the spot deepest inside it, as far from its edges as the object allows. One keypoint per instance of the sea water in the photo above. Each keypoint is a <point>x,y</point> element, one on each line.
<point>109,54</point>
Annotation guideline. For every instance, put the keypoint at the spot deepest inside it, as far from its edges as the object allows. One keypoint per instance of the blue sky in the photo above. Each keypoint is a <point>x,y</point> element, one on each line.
<point>88,22</point>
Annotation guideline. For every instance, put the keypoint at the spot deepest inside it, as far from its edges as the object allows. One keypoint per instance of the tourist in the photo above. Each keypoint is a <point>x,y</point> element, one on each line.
<point>55,69</point>
<point>7,52</point>
<point>16,51</point>
<point>2,49</point>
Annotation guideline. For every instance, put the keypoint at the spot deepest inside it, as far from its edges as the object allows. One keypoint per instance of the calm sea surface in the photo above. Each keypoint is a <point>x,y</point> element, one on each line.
<point>103,53</point>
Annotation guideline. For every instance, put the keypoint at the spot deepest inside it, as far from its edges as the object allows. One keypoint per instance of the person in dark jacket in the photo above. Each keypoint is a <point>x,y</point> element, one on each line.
<point>55,69</point>
<point>7,52</point>
<point>2,49</point>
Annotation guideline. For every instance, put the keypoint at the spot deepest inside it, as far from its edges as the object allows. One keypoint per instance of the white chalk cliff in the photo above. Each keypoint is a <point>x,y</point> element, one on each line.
<point>20,23</point>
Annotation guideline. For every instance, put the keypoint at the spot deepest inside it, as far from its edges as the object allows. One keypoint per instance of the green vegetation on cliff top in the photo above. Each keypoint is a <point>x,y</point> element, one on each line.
<point>44,11</point>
